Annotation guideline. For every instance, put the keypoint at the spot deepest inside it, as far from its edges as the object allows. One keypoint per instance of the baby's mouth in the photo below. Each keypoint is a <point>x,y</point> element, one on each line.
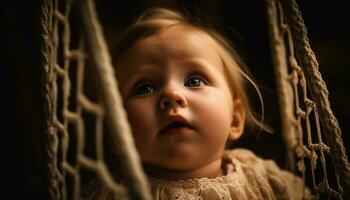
<point>175,127</point>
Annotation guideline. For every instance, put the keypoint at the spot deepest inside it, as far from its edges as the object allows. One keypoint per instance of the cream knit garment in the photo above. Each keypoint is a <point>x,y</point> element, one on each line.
<point>252,178</point>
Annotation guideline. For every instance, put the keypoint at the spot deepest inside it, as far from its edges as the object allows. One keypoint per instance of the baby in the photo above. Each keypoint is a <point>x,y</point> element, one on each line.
<point>183,88</point>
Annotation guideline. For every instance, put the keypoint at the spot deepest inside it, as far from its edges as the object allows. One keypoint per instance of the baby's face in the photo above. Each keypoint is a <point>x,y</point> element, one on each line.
<point>177,98</point>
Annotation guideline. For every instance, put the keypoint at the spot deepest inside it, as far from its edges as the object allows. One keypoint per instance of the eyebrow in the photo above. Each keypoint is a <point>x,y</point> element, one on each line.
<point>200,63</point>
<point>139,71</point>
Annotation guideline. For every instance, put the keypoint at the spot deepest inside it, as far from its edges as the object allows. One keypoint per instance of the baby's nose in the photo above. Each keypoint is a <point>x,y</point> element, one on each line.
<point>172,98</point>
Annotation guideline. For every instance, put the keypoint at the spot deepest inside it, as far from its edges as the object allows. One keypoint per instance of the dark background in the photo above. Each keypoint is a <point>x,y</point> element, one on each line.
<point>22,143</point>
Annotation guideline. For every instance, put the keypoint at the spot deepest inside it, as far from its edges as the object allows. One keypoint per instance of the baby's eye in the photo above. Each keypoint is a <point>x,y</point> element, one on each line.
<point>144,88</point>
<point>195,81</point>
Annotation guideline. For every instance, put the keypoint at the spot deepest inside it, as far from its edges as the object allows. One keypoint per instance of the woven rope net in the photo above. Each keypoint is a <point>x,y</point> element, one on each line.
<point>306,114</point>
<point>73,60</point>
<point>68,106</point>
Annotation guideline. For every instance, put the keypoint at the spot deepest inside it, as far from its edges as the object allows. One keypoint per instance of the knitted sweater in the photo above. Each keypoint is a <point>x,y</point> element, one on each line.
<point>248,178</point>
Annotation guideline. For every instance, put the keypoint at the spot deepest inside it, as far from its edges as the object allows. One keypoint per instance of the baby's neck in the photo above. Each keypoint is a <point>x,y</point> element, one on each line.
<point>211,170</point>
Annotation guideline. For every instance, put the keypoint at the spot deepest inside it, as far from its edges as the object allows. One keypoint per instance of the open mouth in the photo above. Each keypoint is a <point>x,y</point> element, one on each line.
<point>175,127</point>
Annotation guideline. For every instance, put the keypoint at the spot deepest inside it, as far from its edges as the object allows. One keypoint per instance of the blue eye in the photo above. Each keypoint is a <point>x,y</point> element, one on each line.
<point>144,88</point>
<point>195,81</point>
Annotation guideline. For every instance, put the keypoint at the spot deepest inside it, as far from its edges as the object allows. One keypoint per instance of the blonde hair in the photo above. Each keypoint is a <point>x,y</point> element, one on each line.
<point>157,19</point>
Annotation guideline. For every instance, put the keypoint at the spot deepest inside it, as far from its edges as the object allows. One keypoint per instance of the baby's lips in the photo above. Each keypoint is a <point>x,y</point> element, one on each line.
<point>176,121</point>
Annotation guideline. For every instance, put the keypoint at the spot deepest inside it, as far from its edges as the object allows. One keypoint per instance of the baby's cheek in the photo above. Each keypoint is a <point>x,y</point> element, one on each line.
<point>140,118</point>
<point>217,118</point>
<point>136,120</point>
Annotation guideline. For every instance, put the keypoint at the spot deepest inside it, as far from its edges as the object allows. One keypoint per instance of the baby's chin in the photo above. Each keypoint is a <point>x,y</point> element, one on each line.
<point>177,155</point>
<point>171,165</point>
<point>184,170</point>
<point>175,169</point>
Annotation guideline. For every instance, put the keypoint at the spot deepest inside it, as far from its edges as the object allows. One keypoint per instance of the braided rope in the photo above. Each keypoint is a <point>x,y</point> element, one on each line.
<point>284,89</point>
<point>283,57</point>
<point>46,50</point>
<point>120,129</point>
<point>319,92</point>
<point>66,107</point>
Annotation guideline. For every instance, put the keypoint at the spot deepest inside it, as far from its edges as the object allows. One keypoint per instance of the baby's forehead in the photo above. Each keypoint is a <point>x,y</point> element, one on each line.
<point>174,45</point>
<point>177,41</point>
<point>182,32</point>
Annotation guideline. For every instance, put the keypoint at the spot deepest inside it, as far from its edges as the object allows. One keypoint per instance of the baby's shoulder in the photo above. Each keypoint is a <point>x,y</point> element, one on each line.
<point>246,158</point>
<point>283,183</point>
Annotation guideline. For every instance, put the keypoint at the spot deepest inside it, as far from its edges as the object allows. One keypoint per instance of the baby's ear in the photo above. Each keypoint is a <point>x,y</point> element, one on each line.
<point>238,120</point>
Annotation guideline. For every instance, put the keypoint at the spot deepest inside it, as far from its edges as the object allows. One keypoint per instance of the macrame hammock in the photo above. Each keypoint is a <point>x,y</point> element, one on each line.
<point>297,78</point>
